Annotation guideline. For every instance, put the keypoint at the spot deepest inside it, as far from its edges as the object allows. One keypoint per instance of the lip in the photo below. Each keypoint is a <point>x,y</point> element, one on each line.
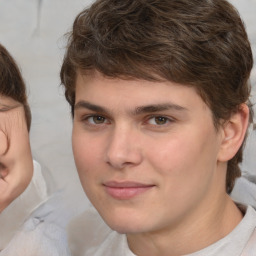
<point>126,190</point>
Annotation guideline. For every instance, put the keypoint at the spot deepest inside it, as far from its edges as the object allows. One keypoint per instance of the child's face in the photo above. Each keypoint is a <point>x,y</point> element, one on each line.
<point>16,165</point>
<point>146,152</point>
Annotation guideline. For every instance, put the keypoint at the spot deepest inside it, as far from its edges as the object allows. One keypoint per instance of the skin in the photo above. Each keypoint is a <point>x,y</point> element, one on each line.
<point>157,139</point>
<point>16,165</point>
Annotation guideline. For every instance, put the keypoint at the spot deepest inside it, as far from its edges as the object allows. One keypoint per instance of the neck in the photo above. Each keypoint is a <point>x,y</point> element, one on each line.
<point>192,234</point>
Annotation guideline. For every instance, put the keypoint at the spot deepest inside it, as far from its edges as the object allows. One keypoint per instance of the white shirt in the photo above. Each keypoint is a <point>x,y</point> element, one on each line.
<point>25,230</point>
<point>90,236</point>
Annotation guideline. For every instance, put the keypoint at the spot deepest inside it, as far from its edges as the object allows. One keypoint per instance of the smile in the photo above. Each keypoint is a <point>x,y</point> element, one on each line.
<point>126,190</point>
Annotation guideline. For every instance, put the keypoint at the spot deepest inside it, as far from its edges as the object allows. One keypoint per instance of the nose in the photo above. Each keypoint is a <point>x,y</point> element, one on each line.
<point>123,148</point>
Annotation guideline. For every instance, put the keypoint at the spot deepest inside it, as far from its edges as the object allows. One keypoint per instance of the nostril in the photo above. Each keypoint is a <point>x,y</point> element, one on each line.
<point>121,160</point>
<point>116,162</point>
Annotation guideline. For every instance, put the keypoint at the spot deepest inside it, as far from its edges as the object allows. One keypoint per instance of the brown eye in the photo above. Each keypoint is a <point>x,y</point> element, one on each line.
<point>98,119</point>
<point>160,120</point>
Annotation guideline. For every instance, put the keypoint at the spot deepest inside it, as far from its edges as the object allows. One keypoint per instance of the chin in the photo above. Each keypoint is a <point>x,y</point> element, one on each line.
<point>125,223</point>
<point>125,228</point>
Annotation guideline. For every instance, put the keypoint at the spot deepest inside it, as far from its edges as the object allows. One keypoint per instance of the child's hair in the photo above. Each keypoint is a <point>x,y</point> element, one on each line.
<point>200,43</point>
<point>11,82</point>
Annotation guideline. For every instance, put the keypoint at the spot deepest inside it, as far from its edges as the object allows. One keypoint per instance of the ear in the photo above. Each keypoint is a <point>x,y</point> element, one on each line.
<point>233,133</point>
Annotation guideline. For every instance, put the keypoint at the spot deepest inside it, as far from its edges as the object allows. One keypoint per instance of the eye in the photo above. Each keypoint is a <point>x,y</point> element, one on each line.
<point>96,119</point>
<point>158,120</point>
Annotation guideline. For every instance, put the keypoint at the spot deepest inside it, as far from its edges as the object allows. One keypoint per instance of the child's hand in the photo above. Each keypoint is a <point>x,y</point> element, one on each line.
<point>16,165</point>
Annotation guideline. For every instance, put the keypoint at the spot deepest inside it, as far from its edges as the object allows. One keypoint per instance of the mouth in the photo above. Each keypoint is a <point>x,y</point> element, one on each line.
<point>126,190</point>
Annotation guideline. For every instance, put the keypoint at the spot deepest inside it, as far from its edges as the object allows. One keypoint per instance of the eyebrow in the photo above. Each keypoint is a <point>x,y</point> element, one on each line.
<point>90,106</point>
<point>158,107</point>
<point>138,110</point>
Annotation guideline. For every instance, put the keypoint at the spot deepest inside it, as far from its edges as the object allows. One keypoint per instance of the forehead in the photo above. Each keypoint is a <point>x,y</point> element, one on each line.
<point>96,87</point>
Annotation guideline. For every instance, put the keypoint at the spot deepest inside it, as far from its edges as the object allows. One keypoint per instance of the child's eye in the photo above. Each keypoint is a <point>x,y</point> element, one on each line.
<point>159,120</point>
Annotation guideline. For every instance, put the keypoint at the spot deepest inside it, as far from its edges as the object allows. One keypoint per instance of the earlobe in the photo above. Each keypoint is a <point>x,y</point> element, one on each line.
<point>234,131</point>
<point>3,143</point>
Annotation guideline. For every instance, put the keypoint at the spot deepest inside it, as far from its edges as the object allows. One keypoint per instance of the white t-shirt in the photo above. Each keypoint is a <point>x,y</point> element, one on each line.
<point>90,236</point>
<point>24,229</point>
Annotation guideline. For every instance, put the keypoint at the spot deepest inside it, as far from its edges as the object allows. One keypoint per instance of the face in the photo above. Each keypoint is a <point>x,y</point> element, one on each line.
<point>16,166</point>
<point>146,152</point>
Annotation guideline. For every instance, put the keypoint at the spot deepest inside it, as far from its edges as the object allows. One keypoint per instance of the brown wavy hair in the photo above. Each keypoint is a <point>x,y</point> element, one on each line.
<point>11,82</point>
<point>200,43</point>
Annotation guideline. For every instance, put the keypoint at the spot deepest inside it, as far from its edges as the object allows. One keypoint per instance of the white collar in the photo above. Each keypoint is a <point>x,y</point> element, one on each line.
<point>19,210</point>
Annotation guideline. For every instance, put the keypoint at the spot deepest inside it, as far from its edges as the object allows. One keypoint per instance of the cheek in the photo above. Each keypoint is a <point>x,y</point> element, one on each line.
<point>190,146</point>
<point>183,159</point>
<point>87,155</point>
<point>170,155</point>
<point>88,159</point>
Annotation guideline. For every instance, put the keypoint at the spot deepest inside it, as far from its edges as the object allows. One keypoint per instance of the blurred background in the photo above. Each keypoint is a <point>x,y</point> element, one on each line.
<point>33,31</point>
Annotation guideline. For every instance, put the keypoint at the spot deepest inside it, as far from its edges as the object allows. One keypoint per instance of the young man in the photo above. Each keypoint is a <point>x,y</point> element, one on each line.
<point>24,231</point>
<point>160,99</point>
